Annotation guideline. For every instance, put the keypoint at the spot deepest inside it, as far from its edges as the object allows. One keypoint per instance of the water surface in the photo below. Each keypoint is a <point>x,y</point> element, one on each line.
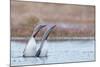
<point>58,52</point>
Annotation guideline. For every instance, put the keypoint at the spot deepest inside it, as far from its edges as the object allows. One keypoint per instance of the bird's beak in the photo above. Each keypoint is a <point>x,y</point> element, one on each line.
<point>38,29</point>
<point>41,26</point>
<point>53,26</point>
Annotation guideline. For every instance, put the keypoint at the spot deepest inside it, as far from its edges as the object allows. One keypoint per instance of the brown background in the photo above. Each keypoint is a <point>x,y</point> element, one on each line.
<point>70,20</point>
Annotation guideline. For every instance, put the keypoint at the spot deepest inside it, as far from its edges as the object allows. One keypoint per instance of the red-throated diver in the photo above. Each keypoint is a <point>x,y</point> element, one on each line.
<point>42,51</point>
<point>30,49</point>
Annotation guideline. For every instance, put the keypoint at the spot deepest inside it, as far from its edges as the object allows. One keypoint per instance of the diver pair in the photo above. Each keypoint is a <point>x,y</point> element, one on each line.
<point>31,49</point>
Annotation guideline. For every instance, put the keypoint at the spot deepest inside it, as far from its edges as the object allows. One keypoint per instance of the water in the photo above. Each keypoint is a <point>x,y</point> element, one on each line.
<point>58,52</point>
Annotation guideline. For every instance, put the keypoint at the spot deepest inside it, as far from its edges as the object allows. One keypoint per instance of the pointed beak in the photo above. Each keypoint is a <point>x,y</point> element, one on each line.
<point>38,29</point>
<point>53,26</point>
<point>41,26</point>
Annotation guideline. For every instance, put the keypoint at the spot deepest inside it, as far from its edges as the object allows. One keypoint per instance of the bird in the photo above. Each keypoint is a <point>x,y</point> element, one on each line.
<point>42,51</point>
<point>30,48</point>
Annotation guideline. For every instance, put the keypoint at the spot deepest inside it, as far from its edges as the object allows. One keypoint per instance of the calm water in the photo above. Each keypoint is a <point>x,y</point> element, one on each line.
<point>58,52</point>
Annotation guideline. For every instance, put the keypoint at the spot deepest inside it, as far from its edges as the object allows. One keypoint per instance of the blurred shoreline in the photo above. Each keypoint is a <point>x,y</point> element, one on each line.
<point>52,38</point>
<point>72,21</point>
